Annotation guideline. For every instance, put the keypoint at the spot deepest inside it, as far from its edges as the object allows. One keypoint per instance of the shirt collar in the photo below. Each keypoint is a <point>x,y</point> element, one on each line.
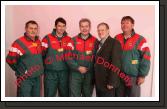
<point>103,40</point>
<point>133,33</point>
<point>54,33</point>
<point>83,37</point>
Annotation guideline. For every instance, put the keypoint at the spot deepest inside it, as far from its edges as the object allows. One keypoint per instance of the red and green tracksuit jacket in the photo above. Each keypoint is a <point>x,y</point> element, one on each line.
<point>25,57</point>
<point>54,49</point>
<point>83,52</point>
<point>136,55</point>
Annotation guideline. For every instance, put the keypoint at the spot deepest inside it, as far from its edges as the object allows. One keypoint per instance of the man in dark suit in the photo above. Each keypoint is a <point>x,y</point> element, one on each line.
<point>108,60</point>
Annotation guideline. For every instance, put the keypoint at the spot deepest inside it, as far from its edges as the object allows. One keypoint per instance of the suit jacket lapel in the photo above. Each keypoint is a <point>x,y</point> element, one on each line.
<point>103,46</point>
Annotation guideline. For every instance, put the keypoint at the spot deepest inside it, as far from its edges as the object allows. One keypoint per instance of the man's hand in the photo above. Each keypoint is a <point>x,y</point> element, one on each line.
<point>82,69</point>
<point>109,87</point>
<point>140,80</point>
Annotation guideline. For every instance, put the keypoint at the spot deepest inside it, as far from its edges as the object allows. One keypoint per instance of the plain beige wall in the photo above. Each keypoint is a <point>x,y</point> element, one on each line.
<point>16,16</point>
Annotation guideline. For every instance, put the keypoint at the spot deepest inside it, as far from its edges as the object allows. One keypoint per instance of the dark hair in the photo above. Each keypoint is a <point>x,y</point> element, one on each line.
<point>103,24</point>
<point>128,18</point>
<point>60,19</point>
<point>84,20</point>
<point>32,22</point>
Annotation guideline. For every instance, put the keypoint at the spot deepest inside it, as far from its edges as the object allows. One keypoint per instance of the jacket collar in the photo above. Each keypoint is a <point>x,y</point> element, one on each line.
<point>80,36</point>
<point>132,34</point>
<point>29,38</point>
<point>54,33</point>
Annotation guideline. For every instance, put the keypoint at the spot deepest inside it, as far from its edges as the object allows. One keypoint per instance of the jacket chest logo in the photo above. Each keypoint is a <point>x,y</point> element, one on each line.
<point>64,43</point>
<point>33,45</point>
<point>91,44</point>
<point>130,44</point>
<point>88,52</point>
<point>53,42</point>
<point>60,50</point>
<point>79,42</point>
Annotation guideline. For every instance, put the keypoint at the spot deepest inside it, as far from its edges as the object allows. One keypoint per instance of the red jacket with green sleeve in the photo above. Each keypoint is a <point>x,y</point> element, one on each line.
<point>136,55</point>
<point>25,56</point>
<point>54,51</point>
<point>83,52</point>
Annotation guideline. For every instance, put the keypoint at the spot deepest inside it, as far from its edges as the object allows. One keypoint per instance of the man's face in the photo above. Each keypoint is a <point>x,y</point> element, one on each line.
<point>85,28</point>
<point>102,31</point>
<point>31,30</point>
<point>60,28</point>
<point>126,26</point>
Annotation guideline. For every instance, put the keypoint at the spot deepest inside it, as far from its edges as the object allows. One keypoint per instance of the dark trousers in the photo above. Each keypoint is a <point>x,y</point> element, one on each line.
<point>120,90</point>
<point>103,92</point>
<point>81,84</point>
<point>30,87</point>
<point>56,80</point>
<point>134,90</point>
